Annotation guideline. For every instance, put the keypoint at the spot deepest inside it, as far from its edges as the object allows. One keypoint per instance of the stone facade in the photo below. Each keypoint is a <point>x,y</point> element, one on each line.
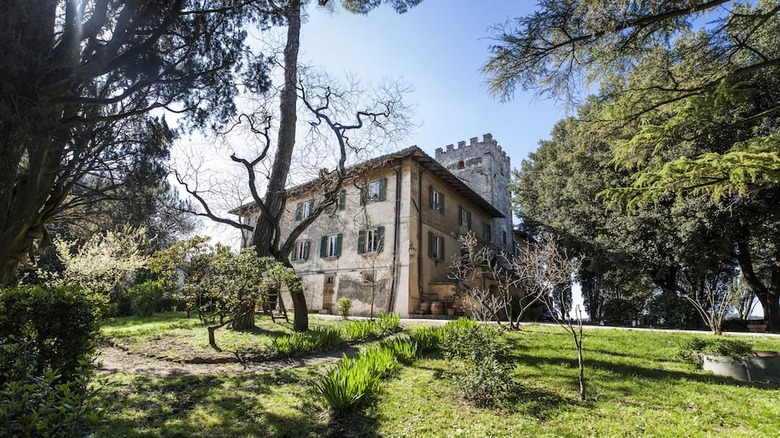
<point>416,221</point>
<point>485,168</point>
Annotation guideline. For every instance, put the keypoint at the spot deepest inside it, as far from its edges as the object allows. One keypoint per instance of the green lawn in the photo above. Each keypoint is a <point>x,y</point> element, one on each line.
<point>174,336</point>
<point>635,385</point>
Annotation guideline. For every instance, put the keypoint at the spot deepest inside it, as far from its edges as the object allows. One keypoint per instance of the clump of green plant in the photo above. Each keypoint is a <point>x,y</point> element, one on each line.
<point>344,305</point>
<point>352,380</point>
<point>480,370</point>
<point>389,322</point>
<point>362,330</point>
<point>405,350</point>
<point>427,339</point>
<point>694,348</point>
<point>313,340</point>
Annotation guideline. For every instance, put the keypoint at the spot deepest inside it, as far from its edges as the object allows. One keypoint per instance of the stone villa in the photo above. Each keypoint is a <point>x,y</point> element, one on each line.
<point>389,240</point>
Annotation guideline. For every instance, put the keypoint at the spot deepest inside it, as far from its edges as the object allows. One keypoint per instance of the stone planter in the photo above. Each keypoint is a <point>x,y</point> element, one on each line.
<point>760,366</point>
<point>756,328</point>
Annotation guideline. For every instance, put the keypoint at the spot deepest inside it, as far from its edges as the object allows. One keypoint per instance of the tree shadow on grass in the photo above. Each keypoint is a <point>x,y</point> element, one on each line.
<point>634,371</point>
<point>212,405</point>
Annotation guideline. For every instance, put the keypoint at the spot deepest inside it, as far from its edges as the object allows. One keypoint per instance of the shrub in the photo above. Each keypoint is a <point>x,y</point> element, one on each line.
<point>389,323</point>
<point>466,339</point>
<point>485,381</point>
<point>62,323</point>
<point>479,369</point>
<point>34,404</point>
<point>343,305</point>
<point>145,296</point>
<point>313,340</point>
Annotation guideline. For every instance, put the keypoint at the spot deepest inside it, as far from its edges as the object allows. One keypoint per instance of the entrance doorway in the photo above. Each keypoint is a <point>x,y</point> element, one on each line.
<point>327,293</point>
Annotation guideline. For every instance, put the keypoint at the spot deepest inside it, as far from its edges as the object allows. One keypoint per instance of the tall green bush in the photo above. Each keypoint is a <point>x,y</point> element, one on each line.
<point>62,322</point>
<point>480,370</point>
<point>47,336</point>
<point>145,296</point>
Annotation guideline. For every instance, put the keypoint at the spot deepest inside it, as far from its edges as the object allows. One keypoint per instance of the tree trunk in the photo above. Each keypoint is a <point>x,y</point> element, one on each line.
<point>301,312</point>
<point>264,235</point>
<point>769,297</point>
<point>245,318</point>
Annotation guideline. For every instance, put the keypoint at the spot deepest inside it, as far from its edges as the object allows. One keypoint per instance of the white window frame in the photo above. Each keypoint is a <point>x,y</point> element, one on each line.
<point>332,243</point>
<point>371,243</point>
<point>374,190</point>
<point>436,201</point>
<point>437,247</point>
<point>300,249</point>
<point>306,210</point>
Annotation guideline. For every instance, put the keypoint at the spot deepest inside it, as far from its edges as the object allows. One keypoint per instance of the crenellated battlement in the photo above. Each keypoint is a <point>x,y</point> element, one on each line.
<point>450,152</point>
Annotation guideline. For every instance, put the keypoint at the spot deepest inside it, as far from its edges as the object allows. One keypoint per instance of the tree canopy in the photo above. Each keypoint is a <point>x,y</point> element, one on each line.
<point>698,76</point>
<point>81,82</point>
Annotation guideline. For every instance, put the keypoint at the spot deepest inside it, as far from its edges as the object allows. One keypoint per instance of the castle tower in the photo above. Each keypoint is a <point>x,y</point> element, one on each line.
<point>484,167</point>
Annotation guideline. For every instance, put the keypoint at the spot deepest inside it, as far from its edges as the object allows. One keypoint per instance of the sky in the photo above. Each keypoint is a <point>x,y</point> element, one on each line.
<point>439,48</point>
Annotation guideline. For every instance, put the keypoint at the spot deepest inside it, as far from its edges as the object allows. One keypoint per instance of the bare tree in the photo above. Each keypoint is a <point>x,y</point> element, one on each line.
<point>548,271</point>
<point>713,300</point>
<point>499,285</point>
<point>325,108</point>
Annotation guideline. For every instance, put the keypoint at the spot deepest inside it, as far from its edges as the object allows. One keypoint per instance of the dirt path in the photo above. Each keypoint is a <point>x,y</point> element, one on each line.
<point>112,359</point>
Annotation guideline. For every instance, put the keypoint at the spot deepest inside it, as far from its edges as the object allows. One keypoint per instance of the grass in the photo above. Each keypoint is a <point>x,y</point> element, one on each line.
<point>636,386</point>
<point>175,337</point>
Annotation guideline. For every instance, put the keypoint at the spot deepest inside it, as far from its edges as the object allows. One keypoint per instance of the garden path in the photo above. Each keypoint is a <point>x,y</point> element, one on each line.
<point>112,359</point>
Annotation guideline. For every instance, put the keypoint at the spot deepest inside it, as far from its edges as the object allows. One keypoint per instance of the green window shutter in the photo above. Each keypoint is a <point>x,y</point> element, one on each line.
<point>342,201</point>
<point>324,247</point>
<point>338,244</point>
<point>294,254</point>
<point>382,189</point>
<point>430,197</point>
<point>431,244</point>
<point>468,219</point>
<point>380,238</point>
<point>461,221</point>
<point>306,247</point>
<point>441,248</point>
<point>311,206</point>
<point>363,195</point>
<point>298,211</point>
<point>361,242</point>
<point>441,203</point>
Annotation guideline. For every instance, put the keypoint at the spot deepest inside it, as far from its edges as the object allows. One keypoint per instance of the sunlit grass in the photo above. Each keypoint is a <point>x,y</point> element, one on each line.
<point>636,386</point>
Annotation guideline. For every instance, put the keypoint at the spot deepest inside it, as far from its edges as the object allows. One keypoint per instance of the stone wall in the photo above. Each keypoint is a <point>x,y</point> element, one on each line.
<point>486,169</point>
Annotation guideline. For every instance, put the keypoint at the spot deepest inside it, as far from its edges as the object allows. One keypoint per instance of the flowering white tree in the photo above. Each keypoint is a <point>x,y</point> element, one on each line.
<point>102,262</point>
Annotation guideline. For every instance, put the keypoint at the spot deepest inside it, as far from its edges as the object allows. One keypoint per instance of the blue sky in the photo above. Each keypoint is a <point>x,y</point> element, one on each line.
<point>438,48</point>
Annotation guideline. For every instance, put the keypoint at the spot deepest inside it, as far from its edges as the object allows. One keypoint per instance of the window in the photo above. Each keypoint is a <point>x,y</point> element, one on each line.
<point>371,241</point>
<point>464,218</point>
<point>435,246</point>
<point>375,191</point>
<point>437,200</point>
<point>342,199</point>
<point>486,232</point>
<point>301,251</point>
<point>461,164</point>
<point>304,209</point>
<point>330,246</point>
<point>368,277</point>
